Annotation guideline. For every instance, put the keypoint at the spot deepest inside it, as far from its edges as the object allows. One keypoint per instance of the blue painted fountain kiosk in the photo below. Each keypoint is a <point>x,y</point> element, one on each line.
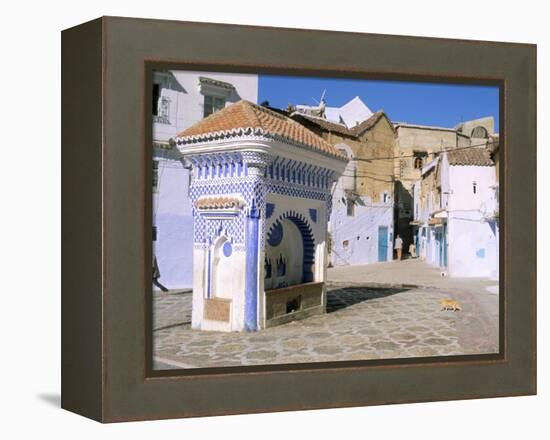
<point>261,192</point>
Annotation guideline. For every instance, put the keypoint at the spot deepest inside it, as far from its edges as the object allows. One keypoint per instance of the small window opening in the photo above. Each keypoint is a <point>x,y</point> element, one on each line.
<point>155,175</point>
<point>156,97</point>
<point>350,207</point>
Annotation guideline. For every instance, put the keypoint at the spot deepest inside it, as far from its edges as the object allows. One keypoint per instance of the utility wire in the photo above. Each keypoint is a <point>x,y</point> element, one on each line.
<point>368,159</point>
<point>371,176</point>
<point>365,159</point>
<point>414,155</point>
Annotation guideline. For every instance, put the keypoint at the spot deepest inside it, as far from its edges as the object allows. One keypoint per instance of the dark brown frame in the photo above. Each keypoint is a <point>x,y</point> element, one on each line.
<point>106,233</point>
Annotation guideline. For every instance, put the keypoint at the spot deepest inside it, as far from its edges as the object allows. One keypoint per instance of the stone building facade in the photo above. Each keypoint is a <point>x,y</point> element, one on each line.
<point>361,226</point>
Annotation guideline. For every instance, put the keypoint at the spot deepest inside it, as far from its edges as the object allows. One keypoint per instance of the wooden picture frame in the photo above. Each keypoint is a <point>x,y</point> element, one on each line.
<point>106,233</point>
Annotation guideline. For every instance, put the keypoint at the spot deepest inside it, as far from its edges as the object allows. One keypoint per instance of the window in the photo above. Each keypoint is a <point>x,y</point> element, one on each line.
<point>419,159</point>
<point>160,105</point>
<point>163,109</point>
<point>155,233</point>
<point>155,175</point>
<point>350,207</point>
<point>213,104</point>
<point>480,133</point>
<point>474,187</point>
<point>156,97</point>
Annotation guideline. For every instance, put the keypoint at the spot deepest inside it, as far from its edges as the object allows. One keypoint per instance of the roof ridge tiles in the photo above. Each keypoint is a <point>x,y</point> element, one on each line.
<point>248,107</point>
<point>247,118</point>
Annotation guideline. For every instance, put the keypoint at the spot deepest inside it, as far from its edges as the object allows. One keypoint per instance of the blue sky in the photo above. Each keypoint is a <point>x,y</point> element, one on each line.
<point>421,103</point>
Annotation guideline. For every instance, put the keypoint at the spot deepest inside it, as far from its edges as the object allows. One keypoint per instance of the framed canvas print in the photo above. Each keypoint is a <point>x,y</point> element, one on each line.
<point>263,219</point>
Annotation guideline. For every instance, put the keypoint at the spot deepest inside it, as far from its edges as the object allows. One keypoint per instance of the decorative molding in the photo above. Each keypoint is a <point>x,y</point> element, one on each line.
<point>215,87</point>
<point>243,134</point>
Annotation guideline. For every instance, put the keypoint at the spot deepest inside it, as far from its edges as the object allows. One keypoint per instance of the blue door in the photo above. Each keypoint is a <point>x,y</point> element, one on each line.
<point>382,243</point>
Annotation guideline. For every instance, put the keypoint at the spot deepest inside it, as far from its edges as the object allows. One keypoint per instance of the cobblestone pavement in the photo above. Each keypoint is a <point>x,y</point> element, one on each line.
<point>362,322</point>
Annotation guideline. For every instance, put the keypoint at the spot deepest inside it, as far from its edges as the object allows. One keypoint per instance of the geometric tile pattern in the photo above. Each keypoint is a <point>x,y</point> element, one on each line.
<point>249,176</point>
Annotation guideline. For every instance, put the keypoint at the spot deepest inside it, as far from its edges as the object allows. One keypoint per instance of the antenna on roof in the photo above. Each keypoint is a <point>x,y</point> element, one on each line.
<point>322,97</point>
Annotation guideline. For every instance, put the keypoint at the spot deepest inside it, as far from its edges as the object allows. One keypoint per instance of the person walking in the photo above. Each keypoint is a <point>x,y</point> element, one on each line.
<point>156,275</point>
<point>398,246</point>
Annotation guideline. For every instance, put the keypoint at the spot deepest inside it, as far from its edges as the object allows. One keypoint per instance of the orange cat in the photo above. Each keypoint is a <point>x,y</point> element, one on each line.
<point>450,304</point>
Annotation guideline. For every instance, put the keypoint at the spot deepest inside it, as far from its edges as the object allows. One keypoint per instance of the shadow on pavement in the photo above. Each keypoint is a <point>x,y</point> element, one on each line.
<point>338,299</point>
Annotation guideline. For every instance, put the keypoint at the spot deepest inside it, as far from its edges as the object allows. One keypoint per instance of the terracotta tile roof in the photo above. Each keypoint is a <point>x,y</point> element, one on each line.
<point>323,124</point>
<point>470,156</point>
<point>219,203</point>
<point>244,118</point>
<point>369,123</point>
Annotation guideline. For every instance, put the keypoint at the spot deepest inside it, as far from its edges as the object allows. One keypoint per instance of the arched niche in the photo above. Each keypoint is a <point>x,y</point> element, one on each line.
<point>480,132</point>
<point>223,268</point>
<point>289,252</point>
<point>346,149</point>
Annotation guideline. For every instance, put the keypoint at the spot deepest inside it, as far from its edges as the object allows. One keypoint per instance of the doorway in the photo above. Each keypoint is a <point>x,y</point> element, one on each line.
<point>382,243</point>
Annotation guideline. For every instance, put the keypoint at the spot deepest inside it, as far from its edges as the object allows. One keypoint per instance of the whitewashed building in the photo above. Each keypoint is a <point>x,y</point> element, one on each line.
<point>361,226</point>
<point>350,114</point>
<point>180,99</point>
<point>456,213</point>
<point>261,192</point>
<point>417,145</point>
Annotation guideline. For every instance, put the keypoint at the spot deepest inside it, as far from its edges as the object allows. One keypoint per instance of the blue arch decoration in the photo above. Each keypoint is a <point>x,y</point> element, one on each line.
<point>308,240</point>
<point>276,234</point>
<point>269,208</point>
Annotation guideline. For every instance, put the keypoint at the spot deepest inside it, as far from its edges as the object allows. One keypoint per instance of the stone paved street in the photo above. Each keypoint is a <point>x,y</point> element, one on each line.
<point>397,315</point>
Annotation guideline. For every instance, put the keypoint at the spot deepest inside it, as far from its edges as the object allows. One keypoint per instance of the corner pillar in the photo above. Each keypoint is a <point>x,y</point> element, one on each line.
<point>251,283</point>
